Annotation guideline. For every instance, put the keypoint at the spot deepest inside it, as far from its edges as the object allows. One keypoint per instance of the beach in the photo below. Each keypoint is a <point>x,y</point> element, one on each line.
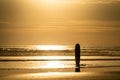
<point>36,75</point>
<point>111,73</point>
<point>96,64</point>
<point>93,73</point>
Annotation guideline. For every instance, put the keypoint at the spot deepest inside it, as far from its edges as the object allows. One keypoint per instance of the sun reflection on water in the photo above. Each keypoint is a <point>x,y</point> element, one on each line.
<point>50,47</point>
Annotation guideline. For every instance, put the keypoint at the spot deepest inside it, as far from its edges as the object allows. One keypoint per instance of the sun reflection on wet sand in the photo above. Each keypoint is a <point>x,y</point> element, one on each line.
<point>46,76</point>
<point>53,64</point>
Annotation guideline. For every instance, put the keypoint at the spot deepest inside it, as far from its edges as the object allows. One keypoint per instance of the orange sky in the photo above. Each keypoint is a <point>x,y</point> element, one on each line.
<point>88,22</point>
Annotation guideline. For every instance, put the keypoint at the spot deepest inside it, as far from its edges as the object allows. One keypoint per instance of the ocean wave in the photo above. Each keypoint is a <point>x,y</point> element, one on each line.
<point>31,51</point>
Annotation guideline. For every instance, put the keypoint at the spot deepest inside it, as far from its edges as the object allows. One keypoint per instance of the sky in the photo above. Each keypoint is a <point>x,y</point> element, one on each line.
<point>58,22</point>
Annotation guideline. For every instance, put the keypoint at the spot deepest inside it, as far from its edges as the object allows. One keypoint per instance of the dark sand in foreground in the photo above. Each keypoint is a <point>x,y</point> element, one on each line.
<point>86,74</point>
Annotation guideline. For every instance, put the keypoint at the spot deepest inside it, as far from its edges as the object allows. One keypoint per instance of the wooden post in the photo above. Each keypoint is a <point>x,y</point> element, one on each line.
<point>77,57</point>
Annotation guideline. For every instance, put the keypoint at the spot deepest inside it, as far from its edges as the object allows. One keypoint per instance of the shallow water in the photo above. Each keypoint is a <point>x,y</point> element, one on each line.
<point>31,57</point>
<point>43,62</point>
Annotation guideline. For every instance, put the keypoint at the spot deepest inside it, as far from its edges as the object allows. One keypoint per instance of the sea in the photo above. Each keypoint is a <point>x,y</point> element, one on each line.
<point>61,57</point>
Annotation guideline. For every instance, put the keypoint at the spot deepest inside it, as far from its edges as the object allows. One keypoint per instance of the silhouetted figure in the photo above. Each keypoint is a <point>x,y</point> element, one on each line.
<point>77,57</point>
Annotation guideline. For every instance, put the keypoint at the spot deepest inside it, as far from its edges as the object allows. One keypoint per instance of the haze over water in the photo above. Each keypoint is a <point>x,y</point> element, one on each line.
<point>57,57</point>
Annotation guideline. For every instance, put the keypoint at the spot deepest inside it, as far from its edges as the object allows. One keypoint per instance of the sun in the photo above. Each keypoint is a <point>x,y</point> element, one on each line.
<point>50,47</point>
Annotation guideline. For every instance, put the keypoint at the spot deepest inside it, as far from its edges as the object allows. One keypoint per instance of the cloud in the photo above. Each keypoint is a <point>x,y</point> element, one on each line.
<point>4,25</point>
<point>3,22</point>
<point>92,16</point>
<point>96,11</point>
<point>97,1</point>
<point>65,26</point>
<point>90,10</point>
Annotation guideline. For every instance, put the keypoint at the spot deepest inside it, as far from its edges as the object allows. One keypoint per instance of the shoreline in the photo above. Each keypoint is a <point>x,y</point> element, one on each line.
<point>41,70</point>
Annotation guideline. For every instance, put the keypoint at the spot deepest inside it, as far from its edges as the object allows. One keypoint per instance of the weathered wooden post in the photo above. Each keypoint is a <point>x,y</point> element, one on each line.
<point>77,57</point>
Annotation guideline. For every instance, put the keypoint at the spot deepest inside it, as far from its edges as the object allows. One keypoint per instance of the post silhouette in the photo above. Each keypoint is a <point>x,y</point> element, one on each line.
<point>77,57</point>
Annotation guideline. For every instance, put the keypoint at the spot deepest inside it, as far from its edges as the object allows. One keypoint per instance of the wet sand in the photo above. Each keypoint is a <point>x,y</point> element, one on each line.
<point>63,76</point>
<point>68,74</point>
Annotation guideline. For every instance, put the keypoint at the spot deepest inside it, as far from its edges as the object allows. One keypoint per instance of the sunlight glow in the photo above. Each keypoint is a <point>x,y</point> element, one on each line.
<point>50,47</point>
<point>48,2</point>
<point>51,1</point>
<point>54,2</point>
<point>53,64</point>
